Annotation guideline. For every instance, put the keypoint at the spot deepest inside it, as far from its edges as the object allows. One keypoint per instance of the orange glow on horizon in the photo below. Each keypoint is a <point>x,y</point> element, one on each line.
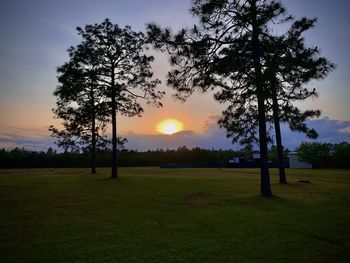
<point>169,126</point>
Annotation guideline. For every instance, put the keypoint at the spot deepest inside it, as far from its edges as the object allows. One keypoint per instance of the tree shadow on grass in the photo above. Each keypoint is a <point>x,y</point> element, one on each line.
<point>273,203</point>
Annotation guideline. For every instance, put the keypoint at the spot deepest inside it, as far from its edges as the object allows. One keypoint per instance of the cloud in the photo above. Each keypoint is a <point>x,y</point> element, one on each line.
<point>29,138</point>
<point>332,131</point>
<point>345,130</point>
<point>211,137</point>
<point>211,122</point>
<point>329,130</point>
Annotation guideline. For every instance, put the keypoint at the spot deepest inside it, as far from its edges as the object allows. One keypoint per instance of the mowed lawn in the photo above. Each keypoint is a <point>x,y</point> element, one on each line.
<point>173,215</point>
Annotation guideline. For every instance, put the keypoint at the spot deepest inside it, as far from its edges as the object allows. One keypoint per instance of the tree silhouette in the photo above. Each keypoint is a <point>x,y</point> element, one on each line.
<point>224,53</point>
<point>124,72</point>
<point>291,65</point>
<point>288,64</point>
<point>80,104</point>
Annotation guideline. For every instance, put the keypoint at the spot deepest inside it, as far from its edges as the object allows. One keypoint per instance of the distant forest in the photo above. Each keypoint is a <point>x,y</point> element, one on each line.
<point>22,158</point>
<point>321,155</point>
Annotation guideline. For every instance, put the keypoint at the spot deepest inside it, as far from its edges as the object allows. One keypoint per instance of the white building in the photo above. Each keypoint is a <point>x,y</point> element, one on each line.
<point>234,160</point>
<point>295,163</point>
<point>256,155</point>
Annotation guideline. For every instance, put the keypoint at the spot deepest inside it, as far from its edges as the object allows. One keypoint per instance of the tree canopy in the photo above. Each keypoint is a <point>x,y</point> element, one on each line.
<point>124,72</point>
<point>234,53</point>
<point>225,53</point>
<point>107,73</point>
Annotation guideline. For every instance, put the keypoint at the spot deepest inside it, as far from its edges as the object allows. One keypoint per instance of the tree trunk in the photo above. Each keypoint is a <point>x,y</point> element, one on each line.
<point>93,153</point>
<point>93,148</point>
<point>260,93</point>
<point>114,129</point>
<point>114,142</point>
<point>264,164</point>
<point>93,133</point>
<point>280,159</point>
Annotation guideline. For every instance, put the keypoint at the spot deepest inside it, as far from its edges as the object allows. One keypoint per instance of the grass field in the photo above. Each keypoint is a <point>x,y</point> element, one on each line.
<point>175,215</point>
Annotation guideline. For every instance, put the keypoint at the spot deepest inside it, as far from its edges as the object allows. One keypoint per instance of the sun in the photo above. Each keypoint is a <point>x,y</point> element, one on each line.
<point>169,126</point>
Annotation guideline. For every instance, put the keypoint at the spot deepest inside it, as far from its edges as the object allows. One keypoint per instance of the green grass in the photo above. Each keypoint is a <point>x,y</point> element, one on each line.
<point>173,215</point>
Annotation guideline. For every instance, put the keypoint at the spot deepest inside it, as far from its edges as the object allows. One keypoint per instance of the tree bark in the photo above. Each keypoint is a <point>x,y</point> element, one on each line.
<point>280,157</point>
<point>114,129</point>
<point>264,165</point>
<point>93,133</point>
<point>260,93</point>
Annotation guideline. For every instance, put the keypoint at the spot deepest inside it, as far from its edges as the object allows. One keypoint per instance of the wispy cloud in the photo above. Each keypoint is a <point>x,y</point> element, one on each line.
<point>345,130</point>
<point>29,138</point>
<point>333,131</point>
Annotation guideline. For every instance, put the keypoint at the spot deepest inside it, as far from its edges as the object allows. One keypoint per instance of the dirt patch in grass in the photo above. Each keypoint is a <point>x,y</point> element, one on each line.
<point>197,198</point>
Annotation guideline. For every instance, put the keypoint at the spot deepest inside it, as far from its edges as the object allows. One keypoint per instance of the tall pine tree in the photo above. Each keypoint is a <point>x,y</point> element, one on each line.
<point>288,66</point>
<point>124,72</point>
<point>80,104</point>
<point>224,53</point>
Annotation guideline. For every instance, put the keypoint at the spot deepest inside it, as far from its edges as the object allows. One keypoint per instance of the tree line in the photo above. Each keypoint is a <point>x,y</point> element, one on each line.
<point>320,155</point>
<point>234,51</point>
<point>325,154</point>
<point>22,158</point>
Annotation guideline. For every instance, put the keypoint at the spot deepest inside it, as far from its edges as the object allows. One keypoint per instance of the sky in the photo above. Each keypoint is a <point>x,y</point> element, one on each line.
<point>35,35</point>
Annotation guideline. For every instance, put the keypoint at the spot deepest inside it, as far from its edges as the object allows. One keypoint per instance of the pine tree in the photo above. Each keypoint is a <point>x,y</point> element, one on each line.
<point>224,53</point>
<point>80,105</point>
<point>289,65</point>
<point>124,72</point>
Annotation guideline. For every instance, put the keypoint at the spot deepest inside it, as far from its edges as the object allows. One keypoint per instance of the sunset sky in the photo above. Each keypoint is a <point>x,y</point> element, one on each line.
<point>36,34</point>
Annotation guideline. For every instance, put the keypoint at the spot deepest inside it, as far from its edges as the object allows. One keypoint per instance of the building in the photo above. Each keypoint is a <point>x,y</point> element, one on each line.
<point>295,163</point>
